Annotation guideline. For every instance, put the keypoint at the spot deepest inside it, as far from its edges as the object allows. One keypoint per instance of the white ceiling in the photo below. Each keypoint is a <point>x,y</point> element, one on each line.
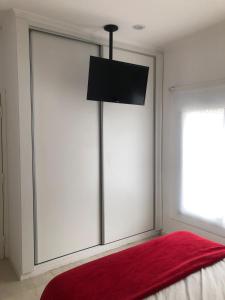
<point>165,20</point>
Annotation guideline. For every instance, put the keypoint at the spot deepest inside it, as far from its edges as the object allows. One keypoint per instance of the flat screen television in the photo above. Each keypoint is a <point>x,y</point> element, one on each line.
<point>116,81</point>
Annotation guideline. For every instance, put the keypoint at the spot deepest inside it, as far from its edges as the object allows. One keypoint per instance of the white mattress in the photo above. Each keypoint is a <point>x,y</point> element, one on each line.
<point>206,284</point>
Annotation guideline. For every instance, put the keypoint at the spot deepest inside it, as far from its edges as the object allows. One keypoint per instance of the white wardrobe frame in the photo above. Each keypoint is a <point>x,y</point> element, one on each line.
<point>23,263</point>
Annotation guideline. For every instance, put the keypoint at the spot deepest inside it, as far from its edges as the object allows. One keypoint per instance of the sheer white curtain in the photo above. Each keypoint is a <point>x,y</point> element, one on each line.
<point>203,164</point>
<point>200,116</point>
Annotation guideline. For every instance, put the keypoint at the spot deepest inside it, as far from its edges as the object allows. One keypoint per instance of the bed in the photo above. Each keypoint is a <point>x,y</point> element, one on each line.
<point>206,284</point>
<point>180,265</point>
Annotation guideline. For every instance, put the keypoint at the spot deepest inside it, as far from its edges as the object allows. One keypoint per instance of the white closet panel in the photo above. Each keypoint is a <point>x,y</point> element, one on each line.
<point>128,145</point>
<point>66,147</point>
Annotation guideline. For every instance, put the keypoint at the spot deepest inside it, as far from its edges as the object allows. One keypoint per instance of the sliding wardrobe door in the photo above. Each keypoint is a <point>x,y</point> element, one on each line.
<point>65,147</point>
<point>128,146</point>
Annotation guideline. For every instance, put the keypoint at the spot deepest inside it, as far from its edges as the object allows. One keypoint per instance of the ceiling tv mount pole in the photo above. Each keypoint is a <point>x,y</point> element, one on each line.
<point>111,28</point>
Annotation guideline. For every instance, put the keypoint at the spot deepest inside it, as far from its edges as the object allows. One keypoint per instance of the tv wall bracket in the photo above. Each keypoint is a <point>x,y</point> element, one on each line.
<point>111,28</point>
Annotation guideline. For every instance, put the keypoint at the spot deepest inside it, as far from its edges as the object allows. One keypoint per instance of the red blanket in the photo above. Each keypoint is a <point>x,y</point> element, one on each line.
<point>137,272</point>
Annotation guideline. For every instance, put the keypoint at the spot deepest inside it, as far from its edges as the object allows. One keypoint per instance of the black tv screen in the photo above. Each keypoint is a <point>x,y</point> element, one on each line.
<point>116,81</point>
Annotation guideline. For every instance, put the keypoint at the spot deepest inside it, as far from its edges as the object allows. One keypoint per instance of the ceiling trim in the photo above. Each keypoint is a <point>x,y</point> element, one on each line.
<point>46,23</point>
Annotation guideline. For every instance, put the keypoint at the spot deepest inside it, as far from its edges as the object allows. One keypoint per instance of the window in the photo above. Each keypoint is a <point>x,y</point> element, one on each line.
<point>203,165</point>
<point>196,156</point>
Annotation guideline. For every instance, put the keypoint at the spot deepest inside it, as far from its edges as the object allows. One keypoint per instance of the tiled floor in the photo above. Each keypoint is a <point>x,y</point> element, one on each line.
<point>31,289</point>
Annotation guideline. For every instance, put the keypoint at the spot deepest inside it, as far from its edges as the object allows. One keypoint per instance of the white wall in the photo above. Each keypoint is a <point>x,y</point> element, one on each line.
<point>13,150</point>
<point>194,59</point>
<point>1,200</point>
<point>15,68</point>
<point>1,50</point>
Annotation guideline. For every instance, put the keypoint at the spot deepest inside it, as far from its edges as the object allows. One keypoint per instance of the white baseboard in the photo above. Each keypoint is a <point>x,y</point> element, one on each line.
<point>71,258</point>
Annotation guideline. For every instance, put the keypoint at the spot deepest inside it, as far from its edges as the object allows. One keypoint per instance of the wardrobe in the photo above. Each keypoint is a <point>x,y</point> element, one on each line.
<point>93,162</point>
